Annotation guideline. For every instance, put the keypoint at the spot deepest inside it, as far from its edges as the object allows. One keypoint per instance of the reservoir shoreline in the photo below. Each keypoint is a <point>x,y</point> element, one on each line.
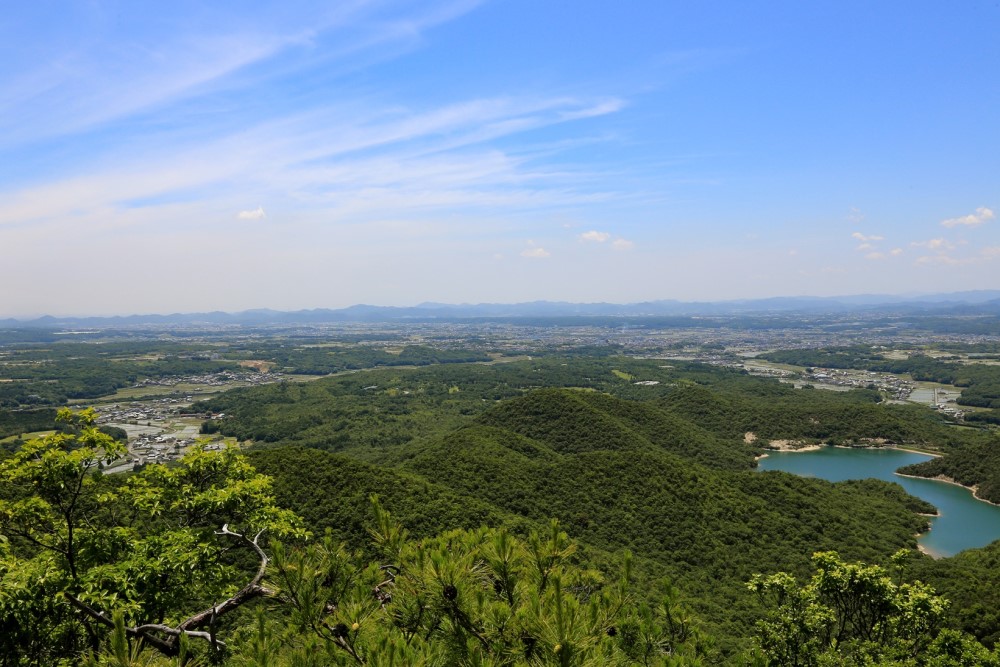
<point>939,478</point>
<point>964,520</point>
<point>949,480</point>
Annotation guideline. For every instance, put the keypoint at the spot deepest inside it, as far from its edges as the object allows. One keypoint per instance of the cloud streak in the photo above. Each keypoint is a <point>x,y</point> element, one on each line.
<point>934,244</point>
<point>141,63</point>
<point>861,237</point>
<point>979,217</point>
<point>393,165</point>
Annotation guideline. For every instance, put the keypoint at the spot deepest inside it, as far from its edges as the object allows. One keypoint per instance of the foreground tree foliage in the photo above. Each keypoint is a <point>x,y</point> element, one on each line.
<point>479,597</point>
<point>167,548</point>
<point>858,614</point>
<point>484,597</point>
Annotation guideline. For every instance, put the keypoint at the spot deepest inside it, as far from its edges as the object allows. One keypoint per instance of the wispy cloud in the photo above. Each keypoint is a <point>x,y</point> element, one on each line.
<point>601,108</point>
<point>135,64</point>
<point>96,88</point>
<point>877,255</point>
<point>391,165</point>
<point>987,254</point>
<point>862,237</point>
<point>934,244</point>
<point>980,216</point>
<point>622,244</point>
<point>946,260</point>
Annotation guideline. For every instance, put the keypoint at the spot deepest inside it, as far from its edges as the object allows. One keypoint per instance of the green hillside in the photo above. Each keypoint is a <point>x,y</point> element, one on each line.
<point>585,459</point>
<point>330,491</point>
<point>575,421</point>
<point>660,468</point>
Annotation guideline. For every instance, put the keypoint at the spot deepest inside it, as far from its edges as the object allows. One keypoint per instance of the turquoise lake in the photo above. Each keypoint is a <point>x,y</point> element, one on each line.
<point>964,522</point>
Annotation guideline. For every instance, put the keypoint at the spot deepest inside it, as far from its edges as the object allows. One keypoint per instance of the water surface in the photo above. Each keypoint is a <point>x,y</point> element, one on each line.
<point>964,522</point>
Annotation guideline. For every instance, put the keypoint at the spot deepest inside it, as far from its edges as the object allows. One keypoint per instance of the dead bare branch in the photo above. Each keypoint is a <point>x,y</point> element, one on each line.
<point>170,647</point>
<point>252,590</point>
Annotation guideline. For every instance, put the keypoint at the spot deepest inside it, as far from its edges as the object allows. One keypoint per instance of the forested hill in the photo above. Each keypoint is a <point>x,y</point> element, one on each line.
<point>571,421</point>
<point>371,413</point>
<point>644,455</point>
<point>976,465</point>
<point>708,530</point>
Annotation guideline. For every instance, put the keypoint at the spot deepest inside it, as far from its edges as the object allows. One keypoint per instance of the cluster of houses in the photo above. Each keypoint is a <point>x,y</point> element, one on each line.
<point>144,411</point>
<point>893,385</point>
<point>144,419</point>
<point>220,379</point>
<point>950,411</point>
<point>154,449</point>
<point>157,449</point>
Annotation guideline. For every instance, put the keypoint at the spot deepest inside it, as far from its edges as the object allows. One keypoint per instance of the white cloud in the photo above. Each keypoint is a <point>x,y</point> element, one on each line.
<point>536,252</point>
<point>255,214</point>
<point>855,215</point>
<point>865,246</point>
<point>875,255</point>
<point>602,237</point>
<point>598,237</point>
<point>981,215</point>
<point>896,252</point>
<point>934,244</point>
<point>861,237</point>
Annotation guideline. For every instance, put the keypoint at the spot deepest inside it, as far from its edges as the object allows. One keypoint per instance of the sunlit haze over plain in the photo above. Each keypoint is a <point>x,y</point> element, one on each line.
<point>191,156</point>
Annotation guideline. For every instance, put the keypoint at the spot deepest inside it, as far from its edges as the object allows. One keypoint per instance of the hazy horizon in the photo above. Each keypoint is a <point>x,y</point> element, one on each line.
<point>192,157</point>
<point>904,297</point>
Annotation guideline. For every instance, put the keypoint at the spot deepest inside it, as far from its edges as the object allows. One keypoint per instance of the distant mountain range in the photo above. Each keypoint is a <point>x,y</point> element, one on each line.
<point>969,303</point>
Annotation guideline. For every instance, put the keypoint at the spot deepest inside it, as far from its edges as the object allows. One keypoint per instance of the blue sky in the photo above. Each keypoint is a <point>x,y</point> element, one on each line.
<point>193,156</point>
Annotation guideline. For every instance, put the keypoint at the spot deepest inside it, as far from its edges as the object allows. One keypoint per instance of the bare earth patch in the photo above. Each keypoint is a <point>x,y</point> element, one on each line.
<point>792,446</point>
